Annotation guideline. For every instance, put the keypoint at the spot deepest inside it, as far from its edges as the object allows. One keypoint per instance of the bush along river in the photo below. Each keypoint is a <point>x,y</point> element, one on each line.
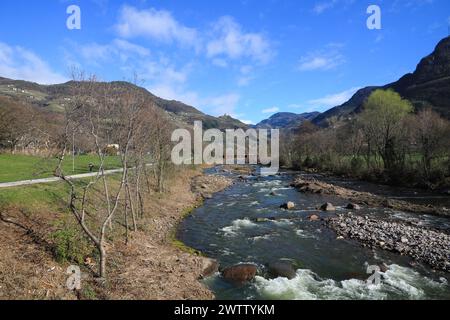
<point>298,254</point>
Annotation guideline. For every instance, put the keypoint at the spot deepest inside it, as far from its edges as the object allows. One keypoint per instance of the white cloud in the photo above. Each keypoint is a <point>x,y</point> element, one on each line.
<point>95,53</point>
<point>379,38</point>
<point>321,61</point>
<point>319,8</point>
<point>154,24</point>
<point>222,104</point>
<point>126,46</point>
<point>19,63</point>
<point>326,5</point>
<point>334,100</point>
<point>170,92</point>
<point>219,105</point>
<point>246,75</point>
<point>244,81</point>
<point>164,72</point>
<point>222,42</point>
<point>230,41</point>
<point>271,110</point>
<point>220,63</point>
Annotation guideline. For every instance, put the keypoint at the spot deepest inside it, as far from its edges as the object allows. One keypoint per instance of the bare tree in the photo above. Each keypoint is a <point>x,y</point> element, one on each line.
<point>107,113</point>
<point>16,124</point>
<point>431,134</point>
<point>160,147</point>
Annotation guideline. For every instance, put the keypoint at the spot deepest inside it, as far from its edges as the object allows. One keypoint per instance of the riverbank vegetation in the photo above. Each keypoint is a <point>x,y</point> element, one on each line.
<point>387,142</point>
<point>40,239</point>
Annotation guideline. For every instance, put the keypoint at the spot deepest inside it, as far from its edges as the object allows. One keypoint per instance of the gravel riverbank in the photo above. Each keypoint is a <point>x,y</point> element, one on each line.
<point>311,185</point>
<point>421,244</point>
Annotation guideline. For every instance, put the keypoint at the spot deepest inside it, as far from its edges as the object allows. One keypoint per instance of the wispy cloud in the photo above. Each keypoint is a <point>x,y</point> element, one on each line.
<point>20,63</point>
<point>321,7</point>
<point>271,110</point>
<point>398,5</point>
<point>321,60</point>
<point>326,5</point>
<point>223,104</point>
<point>95,53</point>
<point>335,99</point>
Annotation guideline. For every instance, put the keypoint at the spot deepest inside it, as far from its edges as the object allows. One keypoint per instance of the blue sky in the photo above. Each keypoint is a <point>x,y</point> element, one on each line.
<point>247,58</point>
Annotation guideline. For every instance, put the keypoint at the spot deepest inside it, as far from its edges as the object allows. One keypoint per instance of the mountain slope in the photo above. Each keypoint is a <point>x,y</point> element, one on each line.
<point>286,120</point>
<point>52,98</point>
<point>427,86</point>
<point>347,109</point>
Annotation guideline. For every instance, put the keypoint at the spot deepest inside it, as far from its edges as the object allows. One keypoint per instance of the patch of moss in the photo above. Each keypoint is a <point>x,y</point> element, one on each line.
<point>173,235</point>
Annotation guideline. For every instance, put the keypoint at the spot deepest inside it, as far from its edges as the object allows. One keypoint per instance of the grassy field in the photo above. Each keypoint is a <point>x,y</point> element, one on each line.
<point>36,197</point>
<point>20,167</point>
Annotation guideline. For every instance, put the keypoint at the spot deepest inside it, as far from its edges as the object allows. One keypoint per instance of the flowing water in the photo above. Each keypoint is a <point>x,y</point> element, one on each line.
<point>225,229</point>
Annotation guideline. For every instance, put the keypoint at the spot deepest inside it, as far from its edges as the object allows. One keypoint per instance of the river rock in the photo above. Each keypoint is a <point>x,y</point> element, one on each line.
<point>240,274</point>
<point>384,267</point>
<point>209,267</point>
<point>283,269</point>
<point>288,206</point>
<point>328,207</point>
<point>314,217</point>
<point>353,206</point>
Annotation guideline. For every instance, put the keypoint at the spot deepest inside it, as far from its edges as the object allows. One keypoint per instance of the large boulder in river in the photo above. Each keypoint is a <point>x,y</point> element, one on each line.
<point>353,206</point>
<point>283,269</point>
<point>240,274</point>
<point>328,207</point>
<point>288,206</point>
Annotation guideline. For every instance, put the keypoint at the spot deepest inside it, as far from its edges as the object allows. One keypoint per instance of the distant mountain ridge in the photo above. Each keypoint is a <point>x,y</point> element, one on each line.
<point>52,98</point>
<point>427,86</point>
<point>286,120</point>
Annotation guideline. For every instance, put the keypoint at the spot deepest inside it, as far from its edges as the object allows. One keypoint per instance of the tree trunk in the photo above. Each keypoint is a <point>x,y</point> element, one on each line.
<point>103,256</point>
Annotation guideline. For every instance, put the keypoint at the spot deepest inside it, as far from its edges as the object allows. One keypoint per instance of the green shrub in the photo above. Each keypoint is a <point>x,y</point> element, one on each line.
<point>88,293</point>
<point>357,165</point>
<point>70,245</point>
<point>308,163</point>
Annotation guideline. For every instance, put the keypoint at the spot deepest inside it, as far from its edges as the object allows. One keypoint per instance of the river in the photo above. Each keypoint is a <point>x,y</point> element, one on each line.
<point>224,228</point>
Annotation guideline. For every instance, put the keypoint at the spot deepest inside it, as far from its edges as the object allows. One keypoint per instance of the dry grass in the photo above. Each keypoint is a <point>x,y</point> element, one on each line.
<point>27,266</point>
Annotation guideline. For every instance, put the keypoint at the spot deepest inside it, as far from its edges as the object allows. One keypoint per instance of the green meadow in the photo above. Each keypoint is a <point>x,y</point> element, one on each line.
<point>21,167</point>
